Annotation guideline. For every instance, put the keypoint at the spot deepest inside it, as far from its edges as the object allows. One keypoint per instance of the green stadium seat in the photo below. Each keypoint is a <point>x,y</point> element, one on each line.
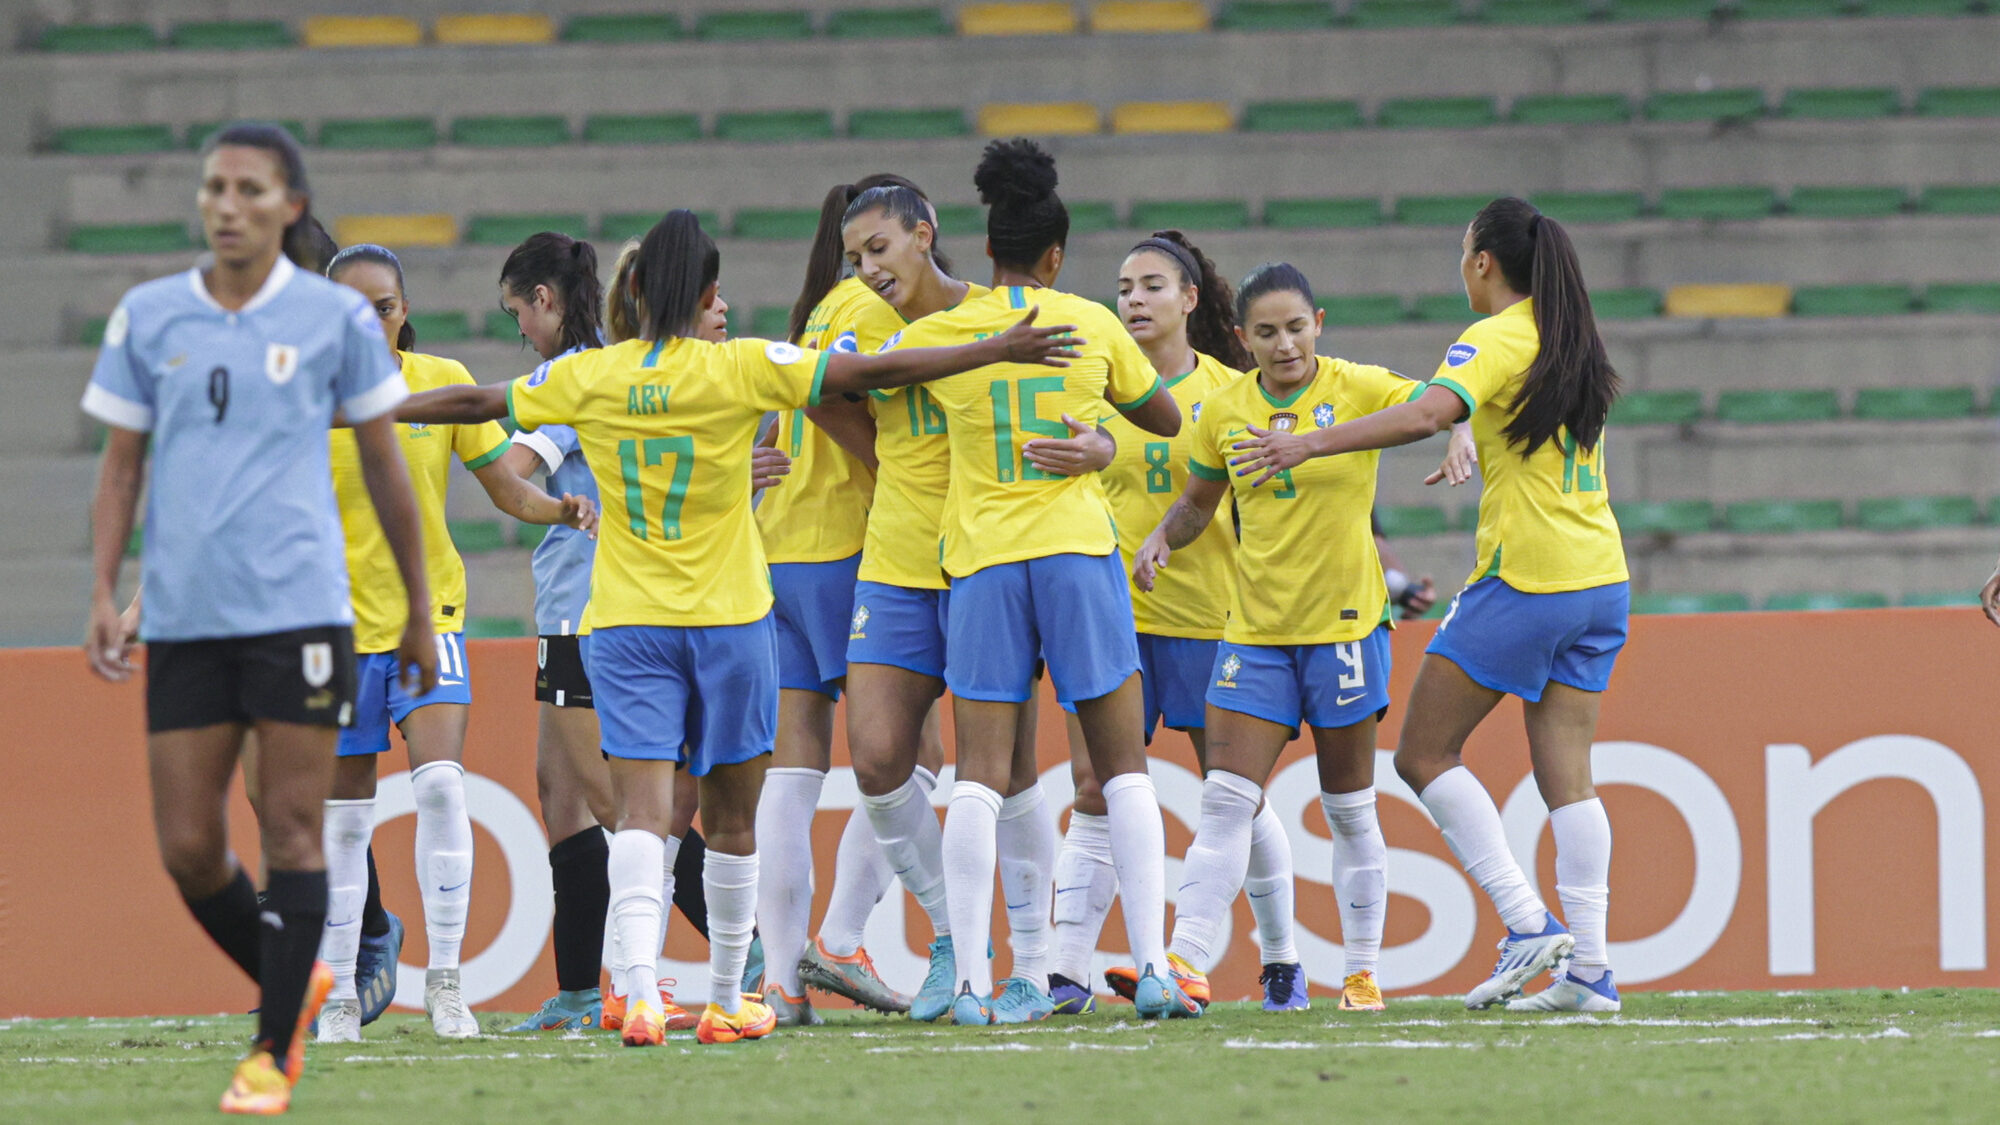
<point>1275,15</point>
<point>641,128</point>
<point>440,327</point>
<point>1970,199</point>
<point>617,226</point>
<point>1982,298</point>
<point>1841,103</point>
<point>92,333</point>
<point>1654,11</point>
<point>1738,104</point>
<point>1591,206</point>
<point>1959,101</point>
<point>495,324</point>
<point>530,535</point>
<point>1656,603</point>
<point>539,131</point>
<point>1570,109</point>
<point>113,140</point>
<point>1656,408</point>
<point>1093,217</point>
<point>777,222</point>
<point>1942,599</point>
<point>906,124</point>
<point>1411,522</point>
<point>1825,601</point>
<point>1664,517</point>
<point>94,38</point>
<point>713,26</point>
<point>232,35</point>
<point>1781,517</point>
<point>379,133</point>
<point>775,125</point>
<point>198,134</point>
<point>1846,202</point>
<point>888,23</point>
<point>1300,117</point>
<point>1322,214</point>
<point>960,218</point>
<point>1851,300</point>
<point>1535,11</point>
<point>1443,308</point>
<point>1439,210</point>
<point>1403,13</point>
<point>477,537</point>
<point>1625,304</point>
<point>1902,404</point>
<point>1466,519</point>
<point>512,230</point>
<point>489,628</point>
<point>771,322</point>
<point>1717,203</point>
<point>1918,7</point>
<point>633,27</point>
<point>1759,407</point>
<point>1436,113</point>
<point>1916,513</point>
<point>1789,9</point>
<point>131,238</point>
<point>1191,214</point>
<point>1365,310</point>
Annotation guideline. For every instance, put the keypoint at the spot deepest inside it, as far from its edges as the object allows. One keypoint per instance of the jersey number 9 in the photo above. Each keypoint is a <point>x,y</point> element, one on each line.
<point>218,392</point>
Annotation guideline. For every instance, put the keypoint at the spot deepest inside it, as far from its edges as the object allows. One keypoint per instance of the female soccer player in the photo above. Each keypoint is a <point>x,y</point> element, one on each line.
<point>1544,614</point>
<point>233,371</point>
<point>683,653</point>
<point>434,723</point>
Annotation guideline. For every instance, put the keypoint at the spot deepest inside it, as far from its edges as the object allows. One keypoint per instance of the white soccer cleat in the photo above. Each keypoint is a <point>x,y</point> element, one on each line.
<point>1522,958</point>
<point>340,1022</point>
<point>445,1002</point>
<point>1568,994</point>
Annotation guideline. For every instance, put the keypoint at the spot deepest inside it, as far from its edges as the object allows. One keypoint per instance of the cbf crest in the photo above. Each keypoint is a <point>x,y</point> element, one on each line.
<point>1323,415</point>
<point>1231,665</point>
<point>1284,422</point>
<point>1197,412</point>
<point>858,628</point>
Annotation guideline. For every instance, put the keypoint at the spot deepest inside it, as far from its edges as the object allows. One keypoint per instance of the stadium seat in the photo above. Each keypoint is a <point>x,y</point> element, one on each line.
<point>1053,18</point>
<point>1781,517</point>
<point>1653,11</point>
<point>529,535</point>
<point>231,35</point>
<point>1846,202</point>
<point>484,628</point>
<point>511,230</point>
<point>476,537</point>
<point>1664,517</point>
<point>197,135</point>
<point>113,140</point>
<point>380,132</point>
<point>397,232</point>
<point>1301,117</point>
<point>1443,308</point>
<point>1322,214</point>
<point>1570,109</point>
<point>1171,117</point>
<point>96,38</point>
<point>1402,13</point>
<point>775,125</point>
<point>440,327</point>
<point>1739,104</point>
<point>494,30</point>
<point>1902,404</point>
<point>906,124</point>
<point>1275,15</point>
<point>1788,9</point>
<point>1777,406</point>
<point>1047,119</point>
<point>1535,11</point>
<point>1981,298</point>
<point>1718,203</point>
<point>887,23</point>
<point>1825,601</point>
<point>495,324</point>
<point>539,131</point>
<point>91,334</point>
<point>1919,7</point>
<point>1091,217</point>
<point>362,31</point>
<point>1658,603</point>
<point>1916,513</point>
<point>641,128</point>
<point>1364,310</point>
<point>623,27</point>
<point>1436,113</point>
<point>727,26</point>
<point>960,218</point>
<point>1411,522</point>
<point>131,238</point>
<point>616,227</point>
<point>1945,599</point>
<point>1154,16</point>
<point>1656,408</point>
<point>1191,214</point>
<point>1849,103</point>
<point>776,222</point>
<point>1851,300</point>
<point>1439,210</point>
<point>1727,301</point>
<point>1590,206</point>
<point>1625,304</point>
<point>1959,101</point>
<point>1969,199</point>
<point>771,322</point>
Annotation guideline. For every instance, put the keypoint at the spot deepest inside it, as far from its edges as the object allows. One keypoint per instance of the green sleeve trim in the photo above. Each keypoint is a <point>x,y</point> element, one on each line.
<point>513,419</point>
<point>1136,403</point>
<point>819,377</point>
<point>490,456</point>
<point>1416,391</point>
<point>1464,395</point>
<point>1208,472</point>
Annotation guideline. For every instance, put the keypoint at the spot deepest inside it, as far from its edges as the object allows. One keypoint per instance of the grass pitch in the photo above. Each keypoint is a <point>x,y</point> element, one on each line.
<point>1685,1058</point>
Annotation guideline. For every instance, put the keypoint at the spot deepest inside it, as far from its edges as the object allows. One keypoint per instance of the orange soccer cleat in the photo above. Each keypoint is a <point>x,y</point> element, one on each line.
<point>753,1021</point>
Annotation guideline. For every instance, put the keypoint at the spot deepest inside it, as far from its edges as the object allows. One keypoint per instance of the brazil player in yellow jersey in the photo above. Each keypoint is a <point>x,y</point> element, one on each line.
<point>1544,614</point>
<point>433,724</point>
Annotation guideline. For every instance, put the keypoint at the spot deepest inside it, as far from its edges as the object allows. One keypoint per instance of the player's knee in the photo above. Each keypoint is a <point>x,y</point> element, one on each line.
<point>197,862</point>
<point>291,837</point>
<point>1418,770</point>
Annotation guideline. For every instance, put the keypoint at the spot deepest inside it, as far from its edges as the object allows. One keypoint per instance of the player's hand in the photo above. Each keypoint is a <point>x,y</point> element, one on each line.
<point>768,466</point>
<point>580,512</point>
<point>105,642</point>
<point>1149,560</point>
<point>1419,598</point>
<point>417,654</point>
<point>1989,597</point>
<point>1461,458</point>
<point>1086,450</point>
<point>1270,452</point>
<point>1050,347</point>
<point>128,621</point>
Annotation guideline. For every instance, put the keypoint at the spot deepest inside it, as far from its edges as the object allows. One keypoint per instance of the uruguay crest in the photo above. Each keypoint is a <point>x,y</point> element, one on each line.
<point>281,362</point>
<point>316,662</point>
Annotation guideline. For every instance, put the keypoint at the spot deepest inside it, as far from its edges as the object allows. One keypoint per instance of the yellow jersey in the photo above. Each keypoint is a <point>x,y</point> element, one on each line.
<point>1545,522</point>
<point>1000,508</point>
<point>913,472</point>
<point>1191,596</point>
<point>1306,569</point>
<point>667,429</point>
<point>381,606</point>
<point>819,513</point>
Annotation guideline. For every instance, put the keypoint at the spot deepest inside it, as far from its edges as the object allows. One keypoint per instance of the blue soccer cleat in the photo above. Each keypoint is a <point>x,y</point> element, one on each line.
<point>1020,1001</point>
<point>1522,957</point>
<point>582,1010</point>
<point>934,999</point>
<point>968,1010</point>
<point>753,965</point>
<point>375,970</point>
<point>1156,998</point>
<point>1570,993</point>
<point>1284,987</point>
<point>1069,997</point>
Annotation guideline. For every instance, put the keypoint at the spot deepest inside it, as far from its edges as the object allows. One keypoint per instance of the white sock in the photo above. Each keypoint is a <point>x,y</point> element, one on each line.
<point>1268,882</point>
<point>1085,884</point>
<point>784,884</point>
<point>444,857</point>
<point>672,851</point>
<point>344,834</point>
<point>969,851</point>
<point>1026,840</point>
<point>634,870</point>
<point>1215,864</point>
<point>1360,875</point>
<point>1139,852</point>
<point>1583,878</point>
<point>906,829</point>
<point>730,882</point>
<point>861,876</point>
<point>1471,825</point>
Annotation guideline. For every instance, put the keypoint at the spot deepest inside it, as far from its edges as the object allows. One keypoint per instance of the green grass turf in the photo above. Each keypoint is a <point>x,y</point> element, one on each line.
<point>1690,1059</point>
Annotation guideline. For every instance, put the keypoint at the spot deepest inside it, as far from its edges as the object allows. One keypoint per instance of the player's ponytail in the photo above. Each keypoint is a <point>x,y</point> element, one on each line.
<point>1271,277</point>
<point>1211,327</point>
<point>300,243</point>
<point>314,248</point>
<point>568,266</point>
<point>677,263</point>
<point>1025,216</point>
<point>406,339</point>
<point>623,314</point>
<point>1571,383</point>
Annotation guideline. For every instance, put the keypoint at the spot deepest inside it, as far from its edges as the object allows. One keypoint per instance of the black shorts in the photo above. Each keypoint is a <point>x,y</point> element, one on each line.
<point>559,675</point>
<point>303,676</point>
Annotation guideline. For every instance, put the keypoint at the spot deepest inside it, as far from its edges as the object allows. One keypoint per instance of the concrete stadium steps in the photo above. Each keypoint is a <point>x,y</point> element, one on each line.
<point>45,504</point>
<point>1901,564</point>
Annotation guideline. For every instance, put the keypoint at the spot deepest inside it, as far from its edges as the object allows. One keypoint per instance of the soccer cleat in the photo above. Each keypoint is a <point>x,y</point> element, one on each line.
<point>258,1087</point>
<point>444,999</point>
<point>1069,997</point>
<point>1522,957</point>
<point>375,970</point>
<point>644,1026</point>
<point>933,1000</point>
<point>318,985</point>
<point>1569,994</point>
<point>968,1010</point>
<point>754,1020</point>
<point>567,1011</point>
<point>1162,998</point>
<point>853,977</point>
<point>1124,980</point>
<point>1284,987</point>
<point>677,1017</point>
<point>612,1018</point>
<point>753,965</point>
<point>1360,993</point>
<point>1020,1000</point>
<point>340,1022</point>
<point>790,1011</point>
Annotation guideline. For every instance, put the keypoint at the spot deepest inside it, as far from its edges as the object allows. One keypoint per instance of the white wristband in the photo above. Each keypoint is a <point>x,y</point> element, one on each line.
<point>1398,583</point>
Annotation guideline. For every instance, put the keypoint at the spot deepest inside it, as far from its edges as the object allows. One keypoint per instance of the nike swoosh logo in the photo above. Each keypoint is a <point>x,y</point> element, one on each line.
<point>337,925</point>
<point>1019,905</point>
<point>903,870</point>
<point>1360,906</point>
<point>1066,890</point>
<point>1347,699</point>
<point>1185,886</point>
<point>1254,894</point>
<point>461,886</point>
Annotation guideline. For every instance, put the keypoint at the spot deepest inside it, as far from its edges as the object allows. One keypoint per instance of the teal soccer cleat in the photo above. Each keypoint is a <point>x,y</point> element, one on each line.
<point>375,970</point>
<point>566,1011</point>
<point>1156,998</point>
<point>969,1010</point>
<point>1021,1002</point>
<point>934,999</point>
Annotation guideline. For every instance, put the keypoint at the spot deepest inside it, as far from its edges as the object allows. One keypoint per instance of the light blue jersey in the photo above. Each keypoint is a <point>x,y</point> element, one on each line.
<point>562,563</point>
<point>242,537</point>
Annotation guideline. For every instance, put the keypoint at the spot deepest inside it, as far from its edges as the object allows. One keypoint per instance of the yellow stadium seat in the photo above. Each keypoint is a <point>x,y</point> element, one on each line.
<point>1149,16</point>
<point>396,231</point>
<point>1052,119</point>
<point>1017,19</point>
<point>1171,117</point>
<point>362,31</point>
<point>1717,301</point>
<point>494,30</point>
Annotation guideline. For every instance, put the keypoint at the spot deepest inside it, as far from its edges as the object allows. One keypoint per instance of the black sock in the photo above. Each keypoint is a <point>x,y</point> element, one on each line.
<point>230,917</point>
<point>688,895</point>
<point>583,892</point>
<point>374,919</point>
<point>294,915</point>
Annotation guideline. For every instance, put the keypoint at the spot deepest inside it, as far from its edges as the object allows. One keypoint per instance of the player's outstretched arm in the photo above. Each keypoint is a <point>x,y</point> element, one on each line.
<point>106,644</point>
<point>1186,519</point>
<point>1461,457</point>
<point>511,492</point>
<point>769,466</point>
<point>462,404</point>
<point>850,425</point>
<point>900,367</point>
<point>1268,452</point>
<point>1159,414</point>
<point>388,481</point>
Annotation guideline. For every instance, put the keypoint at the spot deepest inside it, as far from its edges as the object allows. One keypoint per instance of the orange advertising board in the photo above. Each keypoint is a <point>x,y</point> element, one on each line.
<point>1798,801</point>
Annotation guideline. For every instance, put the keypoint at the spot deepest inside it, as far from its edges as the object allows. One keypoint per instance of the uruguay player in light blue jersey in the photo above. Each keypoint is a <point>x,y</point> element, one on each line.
<point>233,371</point>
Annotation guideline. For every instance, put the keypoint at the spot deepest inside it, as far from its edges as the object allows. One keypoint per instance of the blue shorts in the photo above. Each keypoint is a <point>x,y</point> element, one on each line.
<point>1174,674</point>
<point>1518,643</point>
<point>901,626</point>
<point>380,701</point>
<point>1325,686</point>
<point>1073,610</point>
<point>705,696</point>
<point>813,603</point>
